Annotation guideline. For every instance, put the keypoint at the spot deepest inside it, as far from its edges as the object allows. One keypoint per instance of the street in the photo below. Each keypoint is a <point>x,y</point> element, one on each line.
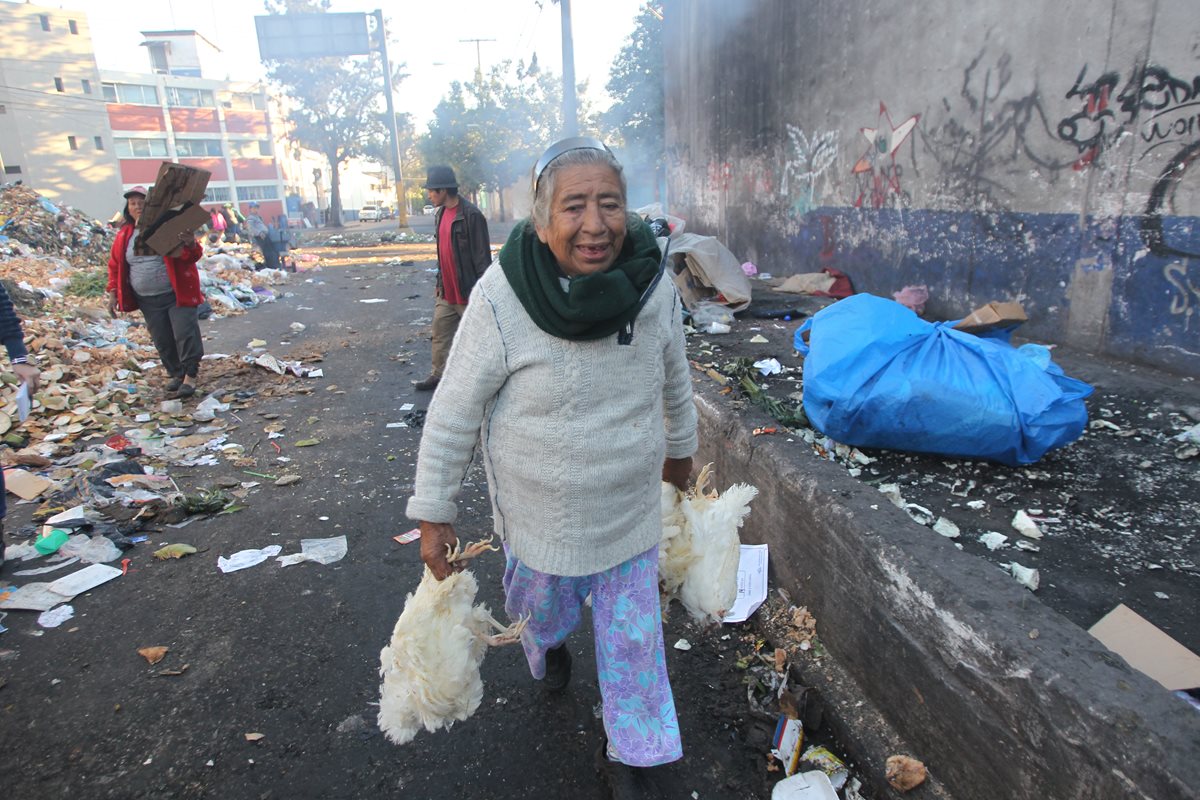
<point>293,654</point>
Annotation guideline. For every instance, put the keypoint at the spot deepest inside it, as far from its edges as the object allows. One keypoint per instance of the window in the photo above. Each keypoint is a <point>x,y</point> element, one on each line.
<point>74,26</point>
<point>87,86</point>
<point>258,193</point>
<point>131,93</point>
<point>12,169</point>
<point>158,56</point>
<point>250,148</point>
<point>140,148</point>
<point>190,98</point>
<point>58,85</point>
<point>244,101</point>
<point>217,194</point>
<point>45,20</point>
<point>72,143</point>
<point>99,141</point>
<point>197,148</point>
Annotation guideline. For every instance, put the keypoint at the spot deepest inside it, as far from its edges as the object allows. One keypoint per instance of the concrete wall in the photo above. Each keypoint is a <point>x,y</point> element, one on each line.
<point>1046,153</point>
<point>942,644</point>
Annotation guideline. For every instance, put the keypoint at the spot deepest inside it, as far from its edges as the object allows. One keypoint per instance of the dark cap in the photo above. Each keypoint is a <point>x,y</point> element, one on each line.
<point>136,190</point>
<point>440,177</point>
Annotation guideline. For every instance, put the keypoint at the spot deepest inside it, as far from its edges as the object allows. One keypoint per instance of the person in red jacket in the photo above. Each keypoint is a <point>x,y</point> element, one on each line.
<point>167,291</point>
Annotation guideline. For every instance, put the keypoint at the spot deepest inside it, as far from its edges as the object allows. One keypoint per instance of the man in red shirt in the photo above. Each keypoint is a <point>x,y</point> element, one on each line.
<point>464,253</point>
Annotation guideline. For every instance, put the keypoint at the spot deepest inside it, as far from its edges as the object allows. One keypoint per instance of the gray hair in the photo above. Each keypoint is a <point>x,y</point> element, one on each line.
<point>544,192</point>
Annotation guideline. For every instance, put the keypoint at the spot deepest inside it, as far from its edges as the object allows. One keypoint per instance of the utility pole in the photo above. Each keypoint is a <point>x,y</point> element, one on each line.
<point>401,199</point>
<point>570,111</point>
<point>478,57</point>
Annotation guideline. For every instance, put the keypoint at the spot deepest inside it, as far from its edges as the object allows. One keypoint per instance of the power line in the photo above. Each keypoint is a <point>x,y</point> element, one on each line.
<point>478,55</point>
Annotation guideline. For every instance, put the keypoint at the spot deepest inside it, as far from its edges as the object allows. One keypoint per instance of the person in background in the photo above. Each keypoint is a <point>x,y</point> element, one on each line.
<point>233,223</point>
<point>14,342</point>
<point>260,234</point>
<point>464,252</point>
<point>218,222</point>
<point>569,373</point>
<point>167,291</point>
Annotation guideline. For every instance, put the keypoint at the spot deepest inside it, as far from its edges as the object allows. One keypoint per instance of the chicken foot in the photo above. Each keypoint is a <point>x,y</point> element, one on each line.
<point>472,550</point>
<point>508,634</point>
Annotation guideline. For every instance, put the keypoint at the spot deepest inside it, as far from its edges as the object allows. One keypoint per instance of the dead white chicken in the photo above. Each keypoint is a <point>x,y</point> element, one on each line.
<point>675,553</point>
<point>700,550</point>
<point>430,669</point>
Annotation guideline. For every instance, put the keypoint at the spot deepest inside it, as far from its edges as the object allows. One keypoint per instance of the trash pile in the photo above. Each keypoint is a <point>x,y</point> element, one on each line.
<point>784,719</point>
<point>96,447</point>
<point>364,238</point>
<point>1032,521</point>
<point>32,227</point>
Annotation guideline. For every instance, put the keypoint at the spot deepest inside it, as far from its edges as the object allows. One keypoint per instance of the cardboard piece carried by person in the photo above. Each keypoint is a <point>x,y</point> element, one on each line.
<point>173,207</point>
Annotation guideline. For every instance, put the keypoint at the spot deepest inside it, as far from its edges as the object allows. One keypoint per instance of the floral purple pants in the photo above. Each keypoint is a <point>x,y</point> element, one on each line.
<point>639,710</point>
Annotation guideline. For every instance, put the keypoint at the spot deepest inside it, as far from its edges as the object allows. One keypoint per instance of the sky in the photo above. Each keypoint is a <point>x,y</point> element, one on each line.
<point>425,36</point>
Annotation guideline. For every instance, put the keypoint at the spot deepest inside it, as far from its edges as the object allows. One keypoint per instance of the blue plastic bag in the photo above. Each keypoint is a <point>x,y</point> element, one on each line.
<point>876,375</point>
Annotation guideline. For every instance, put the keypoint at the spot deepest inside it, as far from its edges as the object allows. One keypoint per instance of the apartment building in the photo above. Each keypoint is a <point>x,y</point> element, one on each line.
<point>54,130</point>
<point>82,136</point>
<point>175,114</point>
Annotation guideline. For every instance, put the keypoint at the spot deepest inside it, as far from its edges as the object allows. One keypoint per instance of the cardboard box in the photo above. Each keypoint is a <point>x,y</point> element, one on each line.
<point>173,206</point>
<point>786,744</point>
<point>1148,648</point>
<point>992,316</point>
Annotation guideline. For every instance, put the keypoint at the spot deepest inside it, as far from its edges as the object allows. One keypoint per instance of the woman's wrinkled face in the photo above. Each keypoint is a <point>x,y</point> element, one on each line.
<point>137,203</point>
<point>587,219</point>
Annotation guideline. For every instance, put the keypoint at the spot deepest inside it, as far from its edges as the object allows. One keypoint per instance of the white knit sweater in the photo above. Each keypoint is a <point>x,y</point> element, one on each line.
<point>573,433</point>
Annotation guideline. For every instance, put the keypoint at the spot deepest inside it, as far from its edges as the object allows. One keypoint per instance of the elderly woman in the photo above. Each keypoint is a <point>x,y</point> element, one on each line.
<point>569,368</point>
<point>167,291</point>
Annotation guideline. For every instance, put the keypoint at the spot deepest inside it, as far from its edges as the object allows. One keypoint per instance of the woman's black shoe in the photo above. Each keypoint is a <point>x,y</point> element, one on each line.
<point>558,668</point>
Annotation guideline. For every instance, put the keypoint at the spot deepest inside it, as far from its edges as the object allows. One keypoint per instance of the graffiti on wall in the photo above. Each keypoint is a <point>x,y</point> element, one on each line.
<point>1094,127</point>
<point>988,131</point>
<point>876,171</point>
<point>1185,295</point>
<point>1164,107</point>
<point>808,162</point>
<point>1162,200</point>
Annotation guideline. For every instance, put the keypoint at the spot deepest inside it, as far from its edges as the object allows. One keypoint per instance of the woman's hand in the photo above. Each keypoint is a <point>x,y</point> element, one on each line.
<point>678,471</point>
<point>29,375</point>
<point>112,305</point>
<point>434,538</point>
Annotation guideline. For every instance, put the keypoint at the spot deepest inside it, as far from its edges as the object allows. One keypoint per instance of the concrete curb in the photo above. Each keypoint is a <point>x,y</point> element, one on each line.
<point>942,644</point>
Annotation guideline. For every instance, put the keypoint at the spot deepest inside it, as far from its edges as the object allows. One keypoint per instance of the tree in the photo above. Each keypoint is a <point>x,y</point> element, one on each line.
<point>636,117</point>
<point>334,102</point>
<point>493,129</point>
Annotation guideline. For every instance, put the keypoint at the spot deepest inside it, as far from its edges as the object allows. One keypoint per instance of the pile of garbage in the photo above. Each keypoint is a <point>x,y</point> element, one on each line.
<point>34,228</point>
<point>371,239</point>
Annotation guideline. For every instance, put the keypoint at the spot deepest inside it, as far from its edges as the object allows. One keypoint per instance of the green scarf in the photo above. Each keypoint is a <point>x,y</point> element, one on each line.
<point>594,306</point>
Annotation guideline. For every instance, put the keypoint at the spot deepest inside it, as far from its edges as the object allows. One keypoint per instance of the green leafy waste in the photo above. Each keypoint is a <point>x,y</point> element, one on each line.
<point>87,284</point>
<point>206,502</point>
<point>744,373</point>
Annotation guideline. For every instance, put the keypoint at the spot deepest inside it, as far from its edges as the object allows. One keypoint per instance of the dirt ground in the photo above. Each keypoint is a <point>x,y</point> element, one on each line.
<point>293,653</point>
<point>1117,508</point>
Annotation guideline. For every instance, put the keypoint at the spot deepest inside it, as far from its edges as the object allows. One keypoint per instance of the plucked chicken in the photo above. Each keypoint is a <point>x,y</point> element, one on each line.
<point>430,669</point>
<point>700,549</point>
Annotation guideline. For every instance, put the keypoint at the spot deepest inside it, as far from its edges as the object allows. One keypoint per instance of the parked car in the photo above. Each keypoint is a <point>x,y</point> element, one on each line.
<point>429,211</point>
<point>369,213</point>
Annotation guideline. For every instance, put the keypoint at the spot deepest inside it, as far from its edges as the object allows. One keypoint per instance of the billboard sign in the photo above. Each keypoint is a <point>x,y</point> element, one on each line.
<point>292,36</point>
